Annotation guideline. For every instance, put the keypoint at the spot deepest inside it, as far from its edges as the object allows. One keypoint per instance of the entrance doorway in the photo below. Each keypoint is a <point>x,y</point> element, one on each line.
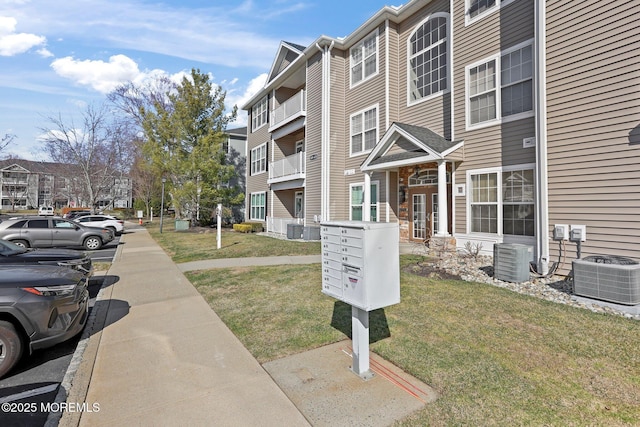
<point>424,211</point>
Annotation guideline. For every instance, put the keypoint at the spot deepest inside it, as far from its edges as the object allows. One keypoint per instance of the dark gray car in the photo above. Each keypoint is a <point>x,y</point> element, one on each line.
<point>48,232</point>
<point>12,254</point>
<point>40,306</point>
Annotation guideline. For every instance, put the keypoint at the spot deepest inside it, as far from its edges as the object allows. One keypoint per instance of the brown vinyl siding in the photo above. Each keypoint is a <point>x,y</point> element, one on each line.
<point>500,144</point>
<point>432,113</point>
<point>338,131</point>
<point>256,183</point>
<point>593,97</point>
<point>313,138</point>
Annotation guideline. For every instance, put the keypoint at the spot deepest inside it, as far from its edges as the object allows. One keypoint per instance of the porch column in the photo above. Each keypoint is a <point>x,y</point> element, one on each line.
<point>366,192</point>
<point>443,226</point>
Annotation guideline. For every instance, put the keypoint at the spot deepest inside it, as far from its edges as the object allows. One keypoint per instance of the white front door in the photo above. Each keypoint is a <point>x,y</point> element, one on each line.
<point>419,216</point>
<point>298,209</point>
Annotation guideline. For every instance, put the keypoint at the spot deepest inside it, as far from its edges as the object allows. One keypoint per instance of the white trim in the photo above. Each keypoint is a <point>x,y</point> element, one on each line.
<point>468,20</point>
<point>469,191</point>
<point>361,112</point>
<point>251,205</point>
<point>360,45</point>
<point>266,113</point>
<point>498,88</point>
<point>361,184</point>
<point>251,161</point>
<point>440,93</point>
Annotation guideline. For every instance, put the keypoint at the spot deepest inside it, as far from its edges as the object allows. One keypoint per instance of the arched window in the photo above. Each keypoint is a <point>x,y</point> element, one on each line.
<point>428,58</point>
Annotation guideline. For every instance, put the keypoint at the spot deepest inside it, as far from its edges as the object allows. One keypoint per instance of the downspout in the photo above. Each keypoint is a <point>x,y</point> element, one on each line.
<point>542,180</point>
<point>453,117</point>
<point>325,131</point>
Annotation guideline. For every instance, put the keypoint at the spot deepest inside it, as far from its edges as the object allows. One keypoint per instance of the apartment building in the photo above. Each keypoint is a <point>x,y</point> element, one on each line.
<point>26,184</point>
<point>477,121</point>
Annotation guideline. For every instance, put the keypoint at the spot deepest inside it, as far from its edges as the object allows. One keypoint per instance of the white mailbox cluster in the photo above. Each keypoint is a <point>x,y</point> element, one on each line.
<point>360,263</point>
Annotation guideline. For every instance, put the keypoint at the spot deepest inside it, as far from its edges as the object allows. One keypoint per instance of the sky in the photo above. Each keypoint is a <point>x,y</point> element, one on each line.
<point>58,57</point>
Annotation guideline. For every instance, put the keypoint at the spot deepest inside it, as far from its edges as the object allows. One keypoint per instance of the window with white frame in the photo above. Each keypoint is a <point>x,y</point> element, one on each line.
<point>258,207</point>
<point>364,59</point>
<point>501,87</point>
<point>502,202</point>
<point>259,114</point>
<point>476,9</point>
<point>259,159</point>
<point>428,59</point>
<point>364,131</point>
<point>356,202</point>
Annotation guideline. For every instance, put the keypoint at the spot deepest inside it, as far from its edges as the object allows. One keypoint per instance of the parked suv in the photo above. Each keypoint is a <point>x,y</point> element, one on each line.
<point>102,221</point>
<point>47,232</point>
<point>40,306</point>
<point>12,254</point>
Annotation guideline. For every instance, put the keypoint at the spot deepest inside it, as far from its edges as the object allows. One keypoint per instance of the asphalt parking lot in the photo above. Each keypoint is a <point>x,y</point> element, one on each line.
<point>28,392</point>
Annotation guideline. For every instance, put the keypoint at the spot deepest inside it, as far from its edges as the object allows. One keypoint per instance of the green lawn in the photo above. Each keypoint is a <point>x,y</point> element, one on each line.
<point>201,243</point>
<point>495,357</point>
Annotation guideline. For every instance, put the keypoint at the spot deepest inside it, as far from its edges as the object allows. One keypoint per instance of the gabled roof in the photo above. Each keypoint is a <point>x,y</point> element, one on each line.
<point>287,53</point>
<point>405,144</point>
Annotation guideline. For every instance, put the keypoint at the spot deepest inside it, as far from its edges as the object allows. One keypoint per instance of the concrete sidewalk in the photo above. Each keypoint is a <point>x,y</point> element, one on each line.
<point>164,358</point>
<point>156,354</point>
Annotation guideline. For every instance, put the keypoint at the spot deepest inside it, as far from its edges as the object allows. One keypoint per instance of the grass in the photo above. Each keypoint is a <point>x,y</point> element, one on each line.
<point>199,244</point>
<point>495,357</point>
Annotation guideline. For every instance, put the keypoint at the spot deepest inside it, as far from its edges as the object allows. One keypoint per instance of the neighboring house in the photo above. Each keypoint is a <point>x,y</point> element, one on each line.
<point>26,184</point>
<point>481,122</point>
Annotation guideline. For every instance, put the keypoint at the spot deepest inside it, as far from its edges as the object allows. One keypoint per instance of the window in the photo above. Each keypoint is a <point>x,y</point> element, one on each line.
<point>38,223</point>
<point>259,114</point>
<point>357,202</point>
<point>364,59</point>
<point>482,88</point>
<point>258,206</point>
<point>259,159</point>
<point>517,81</point>
<point>428,69</point>
<point>426,177</point>
<point>364,131</point>
<point>477,9</point>
<point>512,73</point>
<point>503,198</point>
<point>518,202</point>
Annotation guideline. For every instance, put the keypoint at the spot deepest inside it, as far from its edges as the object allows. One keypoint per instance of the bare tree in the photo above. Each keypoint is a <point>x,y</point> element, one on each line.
<point>93,152</point>
<point>6,140</point>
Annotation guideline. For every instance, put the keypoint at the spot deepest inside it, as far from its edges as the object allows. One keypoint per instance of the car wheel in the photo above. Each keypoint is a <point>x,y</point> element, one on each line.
<point>113,230</point>
<point>10,347</point>
<point>92,243</point>
<point>22,243</point>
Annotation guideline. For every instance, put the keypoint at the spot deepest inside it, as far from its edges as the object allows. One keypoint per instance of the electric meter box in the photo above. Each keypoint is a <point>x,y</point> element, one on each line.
<point>361,263</point>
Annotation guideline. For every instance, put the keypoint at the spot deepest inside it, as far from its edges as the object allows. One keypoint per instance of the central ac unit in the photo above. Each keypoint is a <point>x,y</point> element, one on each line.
<point>511,262</point>
<point>618,283</point>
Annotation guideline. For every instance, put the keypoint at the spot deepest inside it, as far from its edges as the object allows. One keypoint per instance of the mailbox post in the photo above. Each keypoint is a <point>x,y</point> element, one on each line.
<point>361,267</point>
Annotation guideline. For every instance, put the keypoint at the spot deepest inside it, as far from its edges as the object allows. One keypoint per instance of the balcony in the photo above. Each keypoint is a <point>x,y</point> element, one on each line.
<point>291,168</point>
<point>291,109</point>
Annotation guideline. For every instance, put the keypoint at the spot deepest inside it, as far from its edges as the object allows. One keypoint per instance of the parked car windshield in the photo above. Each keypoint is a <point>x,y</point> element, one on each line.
<point>8,248</point>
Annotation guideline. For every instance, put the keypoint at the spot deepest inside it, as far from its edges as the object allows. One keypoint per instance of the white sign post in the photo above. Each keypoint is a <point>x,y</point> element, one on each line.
<point>219,224</point>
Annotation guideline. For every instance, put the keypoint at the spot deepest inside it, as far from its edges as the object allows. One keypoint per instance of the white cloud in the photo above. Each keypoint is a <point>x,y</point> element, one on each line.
<point>255,85</point>
<point>99,75</point>
<point>12,43</point>
<point>45,53</point>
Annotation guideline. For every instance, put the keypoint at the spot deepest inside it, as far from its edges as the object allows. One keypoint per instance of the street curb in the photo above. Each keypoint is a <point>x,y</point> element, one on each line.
<point>75,385</point>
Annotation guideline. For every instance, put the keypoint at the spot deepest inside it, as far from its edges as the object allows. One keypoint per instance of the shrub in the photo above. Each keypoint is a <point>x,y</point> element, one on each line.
<point>248,227</point>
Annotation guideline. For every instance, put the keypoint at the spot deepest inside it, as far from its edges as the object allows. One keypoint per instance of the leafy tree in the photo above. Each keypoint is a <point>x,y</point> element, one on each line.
<point>184,143</point>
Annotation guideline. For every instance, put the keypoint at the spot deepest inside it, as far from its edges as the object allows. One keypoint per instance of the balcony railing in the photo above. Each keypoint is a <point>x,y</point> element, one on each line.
<point>279,225</point>
<point>291,167</point>
<point>294,107</point>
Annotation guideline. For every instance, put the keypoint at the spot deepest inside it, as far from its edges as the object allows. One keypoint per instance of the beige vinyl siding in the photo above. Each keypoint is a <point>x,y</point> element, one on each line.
<point>500,144</point>
<point>283,206</point>
<point>339,134</point>
<point>434,113</point>
<point>257,183</point>
<point>593,97</point>
<point>281,95</point>
<point>393,79</point>
<point>313,138</point>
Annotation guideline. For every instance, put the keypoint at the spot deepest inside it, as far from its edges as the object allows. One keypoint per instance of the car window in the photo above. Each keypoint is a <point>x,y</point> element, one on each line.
<point>18,224</point>
<point>38,223</point>
<point>83,219</point>
<point>62,224</point>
